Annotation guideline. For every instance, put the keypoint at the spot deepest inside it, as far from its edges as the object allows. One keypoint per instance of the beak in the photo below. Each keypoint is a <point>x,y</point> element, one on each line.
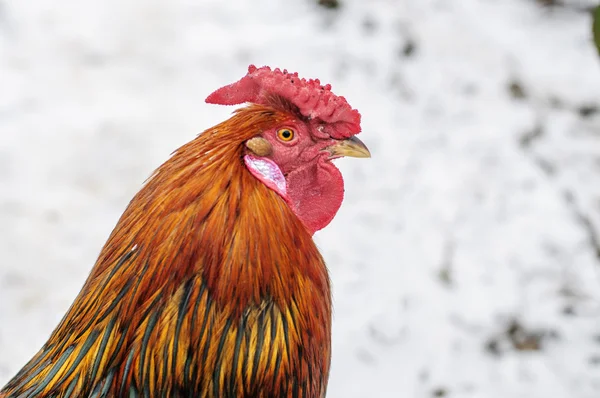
<point>352,147</point>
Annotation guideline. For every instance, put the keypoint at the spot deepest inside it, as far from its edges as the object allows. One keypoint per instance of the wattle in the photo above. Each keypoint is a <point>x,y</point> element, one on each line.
<point>314,192</point>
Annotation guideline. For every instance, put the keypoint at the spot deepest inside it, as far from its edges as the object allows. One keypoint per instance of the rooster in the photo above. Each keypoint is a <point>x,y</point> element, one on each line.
<point>210,285</point>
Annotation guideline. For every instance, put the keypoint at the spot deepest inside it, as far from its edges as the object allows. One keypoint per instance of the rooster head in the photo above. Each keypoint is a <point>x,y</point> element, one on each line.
<point>294,156</point>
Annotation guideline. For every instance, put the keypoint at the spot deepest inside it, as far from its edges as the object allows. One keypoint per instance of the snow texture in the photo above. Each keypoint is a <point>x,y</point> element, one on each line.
<point>465,259</point>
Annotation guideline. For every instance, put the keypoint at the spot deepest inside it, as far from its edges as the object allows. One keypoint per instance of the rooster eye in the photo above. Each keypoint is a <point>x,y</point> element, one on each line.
<point>285,134</point>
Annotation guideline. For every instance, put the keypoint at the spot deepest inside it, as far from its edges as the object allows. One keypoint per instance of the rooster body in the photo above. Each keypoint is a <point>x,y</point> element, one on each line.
<point>210,285</point>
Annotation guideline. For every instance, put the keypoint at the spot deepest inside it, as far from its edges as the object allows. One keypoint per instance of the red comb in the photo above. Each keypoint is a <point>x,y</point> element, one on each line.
<point>312,99</point>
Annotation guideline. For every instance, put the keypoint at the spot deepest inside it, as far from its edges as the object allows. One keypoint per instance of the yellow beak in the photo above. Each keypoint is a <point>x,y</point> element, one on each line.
<point>352,147</point>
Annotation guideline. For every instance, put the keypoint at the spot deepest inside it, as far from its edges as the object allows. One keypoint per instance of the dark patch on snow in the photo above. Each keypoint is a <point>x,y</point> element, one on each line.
<point>330,4</point>
<point>440,392</point>
<point>408,49</point>
<point>516,90</point>
<point>515,336</point>
<point>588,110</point>
<point>529,137</point>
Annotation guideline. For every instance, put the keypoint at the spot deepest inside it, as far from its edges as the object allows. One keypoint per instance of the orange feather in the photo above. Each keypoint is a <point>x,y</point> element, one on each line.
<point>208,286</point>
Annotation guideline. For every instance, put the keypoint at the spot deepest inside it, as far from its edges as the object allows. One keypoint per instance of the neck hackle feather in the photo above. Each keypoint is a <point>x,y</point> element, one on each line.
<point>209,286</point>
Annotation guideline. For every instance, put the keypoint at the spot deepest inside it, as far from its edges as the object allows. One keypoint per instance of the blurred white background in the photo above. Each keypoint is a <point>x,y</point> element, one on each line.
<point>465,259</point>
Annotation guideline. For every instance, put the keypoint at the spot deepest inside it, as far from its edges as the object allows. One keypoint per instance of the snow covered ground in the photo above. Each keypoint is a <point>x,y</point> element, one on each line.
<point>466,257</point>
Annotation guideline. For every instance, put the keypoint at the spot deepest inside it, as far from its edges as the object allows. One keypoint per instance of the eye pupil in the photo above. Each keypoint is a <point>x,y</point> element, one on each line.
<point>286,134</point>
